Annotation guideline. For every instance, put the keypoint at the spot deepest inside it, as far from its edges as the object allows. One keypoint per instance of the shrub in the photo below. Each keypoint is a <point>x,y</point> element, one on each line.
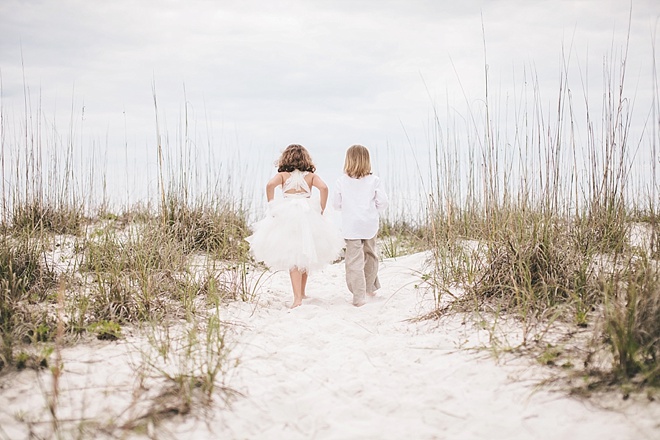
<point>23,279</point>
<point>535,269</point>
<point>633,320</point>
<point>40,216</point>
<point>217,229</point>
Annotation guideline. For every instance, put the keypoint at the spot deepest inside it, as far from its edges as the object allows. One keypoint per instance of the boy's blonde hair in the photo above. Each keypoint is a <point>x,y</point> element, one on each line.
<point>357,163</point>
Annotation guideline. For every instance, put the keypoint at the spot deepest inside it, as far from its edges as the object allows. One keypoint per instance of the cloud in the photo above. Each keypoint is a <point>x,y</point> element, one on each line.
<point>324,72</point>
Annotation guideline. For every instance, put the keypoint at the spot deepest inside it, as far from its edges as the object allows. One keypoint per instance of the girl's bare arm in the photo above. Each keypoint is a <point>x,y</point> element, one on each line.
<point>273,183</point>
<point>323,189</point>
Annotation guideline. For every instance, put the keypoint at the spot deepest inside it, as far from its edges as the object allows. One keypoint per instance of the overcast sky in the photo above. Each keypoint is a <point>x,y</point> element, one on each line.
<point>255,76</point>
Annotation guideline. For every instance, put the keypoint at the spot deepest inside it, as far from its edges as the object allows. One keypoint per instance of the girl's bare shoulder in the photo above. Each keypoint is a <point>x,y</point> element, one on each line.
<point>279,178</point>
<point>315,180</point>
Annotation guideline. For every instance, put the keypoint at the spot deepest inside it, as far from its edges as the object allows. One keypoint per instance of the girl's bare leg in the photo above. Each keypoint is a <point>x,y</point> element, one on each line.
<point>304,284</point>
<point>296,284</point>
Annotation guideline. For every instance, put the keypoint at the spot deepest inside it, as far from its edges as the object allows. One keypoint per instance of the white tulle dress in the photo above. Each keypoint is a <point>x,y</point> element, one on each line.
<point>294,233</point>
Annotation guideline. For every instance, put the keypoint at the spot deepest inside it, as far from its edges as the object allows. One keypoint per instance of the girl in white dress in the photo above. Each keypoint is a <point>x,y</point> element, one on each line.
<point>295,236</point>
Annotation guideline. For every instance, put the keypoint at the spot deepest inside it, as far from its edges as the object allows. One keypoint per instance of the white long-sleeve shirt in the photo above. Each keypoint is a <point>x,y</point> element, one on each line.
<point>360,201</point>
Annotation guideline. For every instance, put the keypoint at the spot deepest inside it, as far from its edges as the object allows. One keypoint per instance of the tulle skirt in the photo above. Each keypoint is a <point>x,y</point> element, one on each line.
<point>294,234</point>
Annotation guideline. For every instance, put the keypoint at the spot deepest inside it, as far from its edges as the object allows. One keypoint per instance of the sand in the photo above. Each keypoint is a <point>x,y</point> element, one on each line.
<point>328,370</point>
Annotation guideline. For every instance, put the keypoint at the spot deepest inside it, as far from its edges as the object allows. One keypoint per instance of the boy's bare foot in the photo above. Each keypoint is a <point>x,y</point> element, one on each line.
<point>359,303</point>
<point>372,294</point>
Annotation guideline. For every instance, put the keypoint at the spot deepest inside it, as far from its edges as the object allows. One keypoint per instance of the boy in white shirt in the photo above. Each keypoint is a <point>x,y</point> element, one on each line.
<point>360,197</point>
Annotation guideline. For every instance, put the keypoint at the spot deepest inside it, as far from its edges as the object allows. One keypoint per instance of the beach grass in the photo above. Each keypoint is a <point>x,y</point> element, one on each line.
<point>553,235</point>
<point>72,270</point>
<point>551,228</point>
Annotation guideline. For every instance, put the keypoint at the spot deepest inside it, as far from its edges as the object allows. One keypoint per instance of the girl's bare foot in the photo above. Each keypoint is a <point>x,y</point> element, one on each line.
<point>296,304</point>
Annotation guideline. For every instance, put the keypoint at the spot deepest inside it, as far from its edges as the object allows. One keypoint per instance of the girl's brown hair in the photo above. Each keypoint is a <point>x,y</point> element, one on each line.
<point>357,162</point>
<point>295,157</point>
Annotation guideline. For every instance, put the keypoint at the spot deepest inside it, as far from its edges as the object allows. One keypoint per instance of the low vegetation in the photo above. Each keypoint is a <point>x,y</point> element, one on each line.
<point>557,240</point>
<point>554,243</point>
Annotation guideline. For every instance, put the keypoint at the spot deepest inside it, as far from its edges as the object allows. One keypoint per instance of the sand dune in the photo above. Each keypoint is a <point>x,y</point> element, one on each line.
<point>328,370</point>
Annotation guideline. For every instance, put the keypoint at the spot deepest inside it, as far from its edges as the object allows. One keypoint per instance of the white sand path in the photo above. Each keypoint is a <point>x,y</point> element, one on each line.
<point>328,370</point>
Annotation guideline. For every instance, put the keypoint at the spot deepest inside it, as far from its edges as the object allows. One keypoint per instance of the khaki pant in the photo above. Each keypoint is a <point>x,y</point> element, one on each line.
<point>361,268</point>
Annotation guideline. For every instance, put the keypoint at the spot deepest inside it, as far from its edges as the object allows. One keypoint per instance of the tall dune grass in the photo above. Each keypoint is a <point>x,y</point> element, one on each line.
<point>71,268</point>
<point>528,207</point>
<point>535,222</point>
